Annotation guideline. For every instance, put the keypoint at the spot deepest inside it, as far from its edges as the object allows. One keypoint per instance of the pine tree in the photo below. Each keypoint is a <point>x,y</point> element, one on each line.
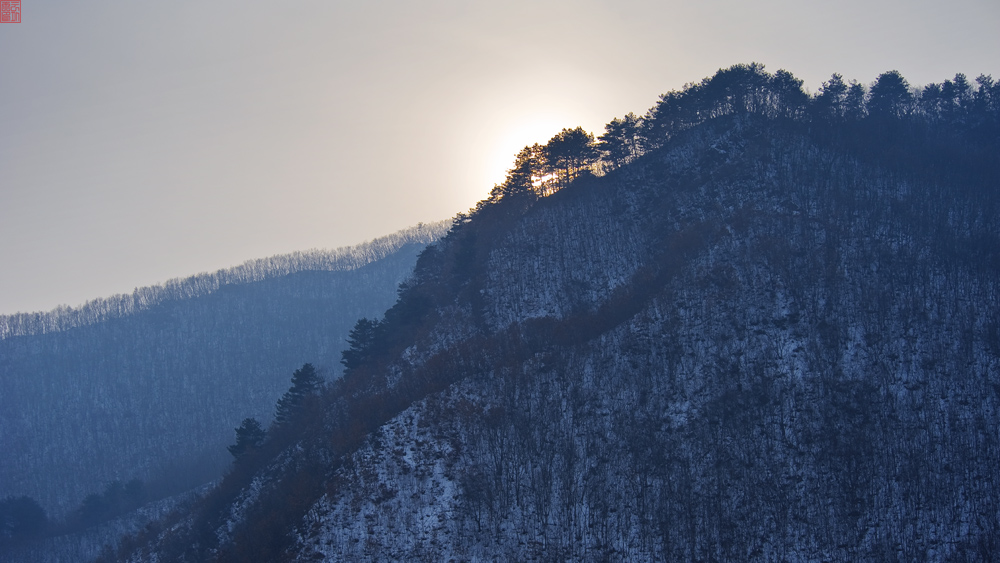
<point>521,178</point>
<point>569,151</point>
<point>831,101</point>
<point>361,340</point>
<point>249,436</point>
<point>620,141</point>
<point>890,96</point>
<point>305,382</point>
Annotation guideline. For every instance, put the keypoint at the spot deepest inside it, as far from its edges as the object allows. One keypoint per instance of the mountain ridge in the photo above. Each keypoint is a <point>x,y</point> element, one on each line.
<point>769,334</point>
<point>255,270</point>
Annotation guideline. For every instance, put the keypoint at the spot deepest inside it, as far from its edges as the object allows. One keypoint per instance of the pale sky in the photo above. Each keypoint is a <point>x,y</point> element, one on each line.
<point>142,141</point>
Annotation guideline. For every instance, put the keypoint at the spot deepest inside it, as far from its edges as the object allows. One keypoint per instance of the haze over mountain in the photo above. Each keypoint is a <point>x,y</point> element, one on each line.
<point>149,386</point>
<point>752,324</point>
<point>144,140</point>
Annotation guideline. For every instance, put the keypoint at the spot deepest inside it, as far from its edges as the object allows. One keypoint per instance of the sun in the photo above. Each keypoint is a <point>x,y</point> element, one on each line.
<point>493,124</point>
<point>514,134</point>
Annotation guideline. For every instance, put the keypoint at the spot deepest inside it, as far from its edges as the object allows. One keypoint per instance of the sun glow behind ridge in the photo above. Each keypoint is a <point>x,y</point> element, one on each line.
<point>500,116</point>
<point>515,134</point>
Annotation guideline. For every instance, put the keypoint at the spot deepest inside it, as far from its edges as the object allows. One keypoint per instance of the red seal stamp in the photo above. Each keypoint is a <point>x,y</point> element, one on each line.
<point>10,11</point>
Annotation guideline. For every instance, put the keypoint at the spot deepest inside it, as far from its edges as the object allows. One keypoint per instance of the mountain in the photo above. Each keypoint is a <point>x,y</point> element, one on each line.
<point>150,386</point>
<point>763,326</point>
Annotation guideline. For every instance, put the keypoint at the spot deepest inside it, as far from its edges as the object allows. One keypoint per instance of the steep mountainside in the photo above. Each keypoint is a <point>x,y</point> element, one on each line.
<point>154,392</point>
<point>746,361</point>
<point>771,336</point>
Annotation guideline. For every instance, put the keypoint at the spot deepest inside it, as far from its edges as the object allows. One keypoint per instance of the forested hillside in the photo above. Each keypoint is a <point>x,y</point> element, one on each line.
<point>149,386</point>
<point>750,325</point>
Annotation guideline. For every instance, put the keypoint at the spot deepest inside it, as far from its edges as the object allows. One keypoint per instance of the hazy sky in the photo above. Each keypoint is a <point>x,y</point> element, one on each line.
<point>141,141</point>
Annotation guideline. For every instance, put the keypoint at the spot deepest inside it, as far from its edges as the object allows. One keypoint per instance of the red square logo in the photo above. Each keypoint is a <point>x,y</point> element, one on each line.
<point>10,11</point>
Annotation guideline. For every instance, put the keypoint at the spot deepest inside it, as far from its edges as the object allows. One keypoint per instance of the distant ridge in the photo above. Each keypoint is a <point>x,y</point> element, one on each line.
<point>101,309</point>
<point>149,386</point>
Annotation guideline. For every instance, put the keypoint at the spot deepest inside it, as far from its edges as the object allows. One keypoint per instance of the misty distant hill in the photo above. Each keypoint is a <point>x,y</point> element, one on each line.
<point>150,385</point>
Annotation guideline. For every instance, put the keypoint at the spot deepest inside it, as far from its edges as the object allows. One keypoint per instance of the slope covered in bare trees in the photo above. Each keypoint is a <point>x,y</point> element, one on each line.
<point>763,326</point>
<point>150,385</point>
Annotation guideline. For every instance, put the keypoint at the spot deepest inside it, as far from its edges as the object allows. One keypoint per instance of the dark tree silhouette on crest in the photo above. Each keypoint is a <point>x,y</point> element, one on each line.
<point>787,97</point>
<point>890,96</point>
<point>854,104</point>
<point>619,144</point>
<point>528,165</point>
<point>569,151</point>
<point>831,102</point>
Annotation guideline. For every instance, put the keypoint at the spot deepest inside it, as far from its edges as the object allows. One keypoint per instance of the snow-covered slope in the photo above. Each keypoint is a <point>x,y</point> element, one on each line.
<point>806,373</point>
<point>756,342</point>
